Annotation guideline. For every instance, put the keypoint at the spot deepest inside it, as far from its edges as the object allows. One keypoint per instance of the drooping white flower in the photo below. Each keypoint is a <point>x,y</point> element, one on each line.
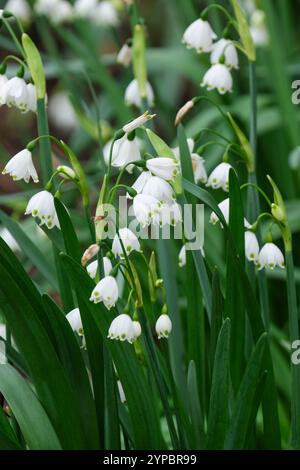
<point>218,77</point>
<point>199,170</point>
<point>122,328</point>
<point>74,320</point>
<point>269,257</point>
<point>93,267</point>
<point>9,240</point>
<point>61,12</point>
<point>138,122</point>
<point>124,56</point>
<point>164,167</point>
<point>17,94</point>
<point>146,209</point>
<point>133,96</point>
<point>127,151</point>
<point>140,182</point>
<point>163,326</point>
<point>129,240</point>
<point>225,48</point>
<point>199,35</point>
<point>85,8</point>
<point>224,208</point>
<point>105,14</point>
<point>3,82</point>
<point>251,246</point>
<point>182,257</point>
<point>19,8</point>
<point>41,205</point>
<point>170,214</point>
<point>61,112</point>
<point>176,150</point>
<point>21,167</point>
<point>219,178</point>
<point>258,28</point>
<point>31,97</point>
<point>106,291</point>
<point>159,188</point>
<point>137,329</point>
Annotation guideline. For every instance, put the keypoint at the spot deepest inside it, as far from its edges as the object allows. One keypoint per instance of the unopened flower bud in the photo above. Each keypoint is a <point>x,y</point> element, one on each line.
<point>278,213</point>
<point>183,111</point>
<point>66,172</point>
<point>89,253</point>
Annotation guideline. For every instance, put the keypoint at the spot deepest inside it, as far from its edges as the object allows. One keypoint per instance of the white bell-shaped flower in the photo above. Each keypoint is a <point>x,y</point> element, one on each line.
<point>21,167</point>
<point>93,267</point>
<point>61,12</point>
<point>74,320</point>
<point>41,205</point>
<point>106,291</point>
<point>124,151</point>
<point>176,150</point>
<point>224,208</point>
<point>122,328</point>
<point>218,77</point>
<point>164,167</point>
<point>105,14</point>
<point>199,170</point>
<point>225,48</point>
<point>199,35</point>
<point>269,257</point>
<point>140,182</point>
<point>133,96</point>
<point>258,28</point>
<point>3,82</point>
<point>31,97</point>
<point>170,214</point>
<point>19,8</point>
<point>17,94</point>
<point>159,188</point>
<point>124,56</point>
<point>83,8</point>
<point>219,178</point>
<point>163,326</point>
<point>146,209</point>
<point>61,112</point>
<point>137,329</point>
<point>182,257</point>
<point>251,246</point>
<point>129,240</point>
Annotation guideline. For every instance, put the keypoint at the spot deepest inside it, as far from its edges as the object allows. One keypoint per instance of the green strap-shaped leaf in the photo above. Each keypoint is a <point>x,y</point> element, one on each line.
<point>35,256</point>
<point>240,423</point>
<point>28,411</point>
<point>146,429</point>
<point>218,406</point>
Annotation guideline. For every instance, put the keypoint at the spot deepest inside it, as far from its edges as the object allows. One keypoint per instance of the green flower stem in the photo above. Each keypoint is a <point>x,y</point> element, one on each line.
<point>45,147</point>
<point>14,37</point>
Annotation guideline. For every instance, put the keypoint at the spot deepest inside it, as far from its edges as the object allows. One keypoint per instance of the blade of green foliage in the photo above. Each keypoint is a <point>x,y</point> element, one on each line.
<point>195,407</point>
<point>140,404</point>
<point>28,411</point>
<point>92,336</point>
<point>246,398</point>
<point>68,351</point>
<point>218,406</point>
<point>26,319</point>
<point>30,249</point>
<point>234,307</point>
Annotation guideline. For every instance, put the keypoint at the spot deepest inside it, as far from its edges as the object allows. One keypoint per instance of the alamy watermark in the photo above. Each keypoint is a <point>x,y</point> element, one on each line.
<point>187,224</point>
<point>296,93</point>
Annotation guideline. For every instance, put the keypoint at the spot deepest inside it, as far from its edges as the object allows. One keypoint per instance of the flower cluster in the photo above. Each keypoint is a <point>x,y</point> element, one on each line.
<point>223,55</point>
<point>269,256</point>
<point>16,92</point>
